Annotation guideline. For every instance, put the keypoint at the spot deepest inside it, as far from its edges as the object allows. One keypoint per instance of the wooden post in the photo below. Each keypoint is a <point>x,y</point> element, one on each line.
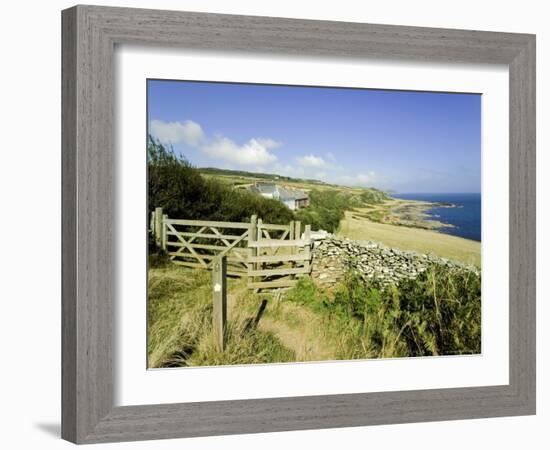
<point>291,230</point>
<point>307,245</point>
<point>252,235</point>
<point>297,230</point>
<point>152,223</point>
<point>292,250</point>
<point>219,300</point>
<point>259,251</point>
<point>158,226</point>
<point>297,236</point>
<point>307,234</point>
<point>259,229</point>
<point>291,237</point>
<point>164,230</point>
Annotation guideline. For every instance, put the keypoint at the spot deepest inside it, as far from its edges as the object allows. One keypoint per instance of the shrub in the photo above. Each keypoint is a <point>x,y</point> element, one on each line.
<point>327,207</point>
<point>176,186</point>
<point>438,313</point>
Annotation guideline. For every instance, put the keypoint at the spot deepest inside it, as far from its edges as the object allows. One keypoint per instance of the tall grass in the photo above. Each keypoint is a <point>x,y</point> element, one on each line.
<point>438,313</point>
<point>179,322</point>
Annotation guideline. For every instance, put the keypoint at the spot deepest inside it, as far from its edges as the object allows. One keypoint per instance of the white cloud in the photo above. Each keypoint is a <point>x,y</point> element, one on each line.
<point>257,153</point>
<point>311,161</point>
<point>330,156</point>
<point>268,143</point>
<point>187,132</point>
<point>254,152</point>
<point>360,179</point>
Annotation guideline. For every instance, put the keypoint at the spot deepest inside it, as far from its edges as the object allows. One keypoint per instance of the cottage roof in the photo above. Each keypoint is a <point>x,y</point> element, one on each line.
<point>291,194</point>
<point>284,193</point>
<point>265,188</point>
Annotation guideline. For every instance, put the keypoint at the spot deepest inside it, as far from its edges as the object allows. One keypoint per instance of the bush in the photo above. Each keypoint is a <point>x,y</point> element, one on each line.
<point>176,186</point>
<point>443,312</point>
<point>438,313</point>
<point>327,207</point>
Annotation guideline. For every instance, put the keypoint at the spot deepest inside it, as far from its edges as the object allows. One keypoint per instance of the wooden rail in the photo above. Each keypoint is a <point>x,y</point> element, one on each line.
<point>268,255</point>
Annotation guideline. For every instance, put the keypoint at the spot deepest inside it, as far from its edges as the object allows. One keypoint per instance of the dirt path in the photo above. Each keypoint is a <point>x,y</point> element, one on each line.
<point>296,326</point>
<point>299,330</point>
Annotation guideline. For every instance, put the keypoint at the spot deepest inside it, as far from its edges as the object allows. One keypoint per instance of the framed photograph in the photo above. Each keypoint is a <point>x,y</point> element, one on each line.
<point>278,224</point>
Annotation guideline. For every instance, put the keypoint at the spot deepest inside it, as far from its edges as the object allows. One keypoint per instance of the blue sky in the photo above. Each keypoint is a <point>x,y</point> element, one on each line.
<point>395,140</point>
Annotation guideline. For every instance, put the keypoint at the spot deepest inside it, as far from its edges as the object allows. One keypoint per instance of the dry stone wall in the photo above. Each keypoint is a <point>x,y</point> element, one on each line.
<point>333,257</point>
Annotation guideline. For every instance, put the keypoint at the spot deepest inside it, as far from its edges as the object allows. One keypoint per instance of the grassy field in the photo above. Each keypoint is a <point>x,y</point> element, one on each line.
<point>409,238</point>
<point>179,323</point>
<point>439,313</point>
<point>245,179</point>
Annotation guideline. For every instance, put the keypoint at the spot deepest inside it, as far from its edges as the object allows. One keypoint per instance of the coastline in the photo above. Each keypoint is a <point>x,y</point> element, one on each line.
<point>405,225</point>
<point>407,213</point>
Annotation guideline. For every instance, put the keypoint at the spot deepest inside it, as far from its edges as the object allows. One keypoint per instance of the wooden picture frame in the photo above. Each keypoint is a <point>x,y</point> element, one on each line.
<point>90,34</point>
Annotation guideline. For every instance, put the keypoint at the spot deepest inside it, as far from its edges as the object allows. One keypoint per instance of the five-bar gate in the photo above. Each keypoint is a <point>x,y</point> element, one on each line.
<point>269,255</point>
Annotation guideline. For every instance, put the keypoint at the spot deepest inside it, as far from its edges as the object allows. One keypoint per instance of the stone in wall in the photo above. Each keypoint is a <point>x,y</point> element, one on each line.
<point>333,257</point>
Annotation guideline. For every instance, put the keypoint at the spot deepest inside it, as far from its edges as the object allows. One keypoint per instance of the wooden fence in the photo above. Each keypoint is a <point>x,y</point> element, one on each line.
<point>269,255</point>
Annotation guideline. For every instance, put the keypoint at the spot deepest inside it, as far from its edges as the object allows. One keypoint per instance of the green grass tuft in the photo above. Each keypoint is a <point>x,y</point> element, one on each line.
<point>179,322</point>
<point>438,313</point>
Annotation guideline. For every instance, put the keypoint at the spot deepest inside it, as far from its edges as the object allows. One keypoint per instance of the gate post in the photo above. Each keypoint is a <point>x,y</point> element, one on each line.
<point>298,229</point>
<point>252,234</point>
<point>307,234</point>
<point>291,229</point>
<point>164,230</point>
<point>152,222</point>
<point>259,228</point>
<point>219,300</point>
<point>158,226</point>
<point>307,246</point>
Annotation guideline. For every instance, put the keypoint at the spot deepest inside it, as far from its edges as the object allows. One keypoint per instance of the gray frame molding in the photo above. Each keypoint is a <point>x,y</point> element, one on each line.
<point>89,37</point>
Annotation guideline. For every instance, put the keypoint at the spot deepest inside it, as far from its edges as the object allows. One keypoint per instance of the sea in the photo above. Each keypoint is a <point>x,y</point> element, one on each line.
<point>466,216</point>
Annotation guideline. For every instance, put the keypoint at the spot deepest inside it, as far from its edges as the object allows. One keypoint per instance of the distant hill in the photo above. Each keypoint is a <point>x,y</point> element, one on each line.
<point>266,176</point>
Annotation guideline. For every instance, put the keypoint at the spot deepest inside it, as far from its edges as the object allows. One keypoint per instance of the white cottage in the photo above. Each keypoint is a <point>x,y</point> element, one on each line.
<point>292,198</point>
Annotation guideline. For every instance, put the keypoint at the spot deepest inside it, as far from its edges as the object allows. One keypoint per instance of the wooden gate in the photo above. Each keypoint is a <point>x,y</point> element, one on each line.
<point>279,254</point>
<point>269,255</point>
